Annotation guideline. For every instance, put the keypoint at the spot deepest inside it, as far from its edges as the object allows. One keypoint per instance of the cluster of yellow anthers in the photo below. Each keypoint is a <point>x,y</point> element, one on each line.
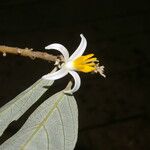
<point>76,62</point>
<point>88,63</point>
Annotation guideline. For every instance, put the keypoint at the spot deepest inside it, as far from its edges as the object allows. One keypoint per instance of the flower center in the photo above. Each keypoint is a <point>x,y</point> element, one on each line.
<point>85,63</point>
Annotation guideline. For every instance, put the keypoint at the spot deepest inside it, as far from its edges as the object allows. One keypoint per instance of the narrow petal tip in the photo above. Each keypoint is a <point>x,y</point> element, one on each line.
<point>81,48</point>
<point>81,35</point>
<point>77,83</point>
<point>56,75</point>
<point>49,46</point>
<point>60,48</point>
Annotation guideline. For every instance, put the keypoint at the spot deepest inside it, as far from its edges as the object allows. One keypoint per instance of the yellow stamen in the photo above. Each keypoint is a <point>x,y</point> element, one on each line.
<point>85,63</point>
<point>94,59</point>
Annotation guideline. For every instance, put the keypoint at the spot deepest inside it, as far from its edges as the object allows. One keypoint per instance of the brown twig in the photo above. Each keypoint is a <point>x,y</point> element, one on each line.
<point>28,53</point>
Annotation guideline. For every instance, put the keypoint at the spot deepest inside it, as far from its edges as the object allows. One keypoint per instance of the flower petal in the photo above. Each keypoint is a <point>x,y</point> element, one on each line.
<point>77,82</point>
<point>56,75</point>
<point>80,50</point>
<point>60,48</point>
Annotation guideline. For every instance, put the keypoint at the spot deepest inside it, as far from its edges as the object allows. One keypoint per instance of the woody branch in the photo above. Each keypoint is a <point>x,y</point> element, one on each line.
<point>28,53</point>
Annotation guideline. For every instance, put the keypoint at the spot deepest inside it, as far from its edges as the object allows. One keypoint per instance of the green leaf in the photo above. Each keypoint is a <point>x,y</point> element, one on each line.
<point>52,126</point>
<point>21,103</point>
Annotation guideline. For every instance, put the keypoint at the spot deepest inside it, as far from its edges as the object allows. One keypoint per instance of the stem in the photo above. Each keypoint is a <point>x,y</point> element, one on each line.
<point>28,53</point>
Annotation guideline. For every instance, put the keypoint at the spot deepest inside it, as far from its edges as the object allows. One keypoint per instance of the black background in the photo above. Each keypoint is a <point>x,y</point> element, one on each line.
<point>114,112</point>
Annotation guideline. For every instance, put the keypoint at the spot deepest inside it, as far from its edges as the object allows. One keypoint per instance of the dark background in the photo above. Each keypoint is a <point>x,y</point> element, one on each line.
<point>114,113</point>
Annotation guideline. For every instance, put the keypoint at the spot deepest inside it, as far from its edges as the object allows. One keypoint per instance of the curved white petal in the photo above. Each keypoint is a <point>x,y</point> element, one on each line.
<point>56,75</point>
<point>77,82</point>
<point>80,50</point>
<point>59,48</point>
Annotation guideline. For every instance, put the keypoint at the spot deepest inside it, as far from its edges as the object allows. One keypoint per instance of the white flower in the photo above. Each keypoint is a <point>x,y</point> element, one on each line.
<point>76,62</point>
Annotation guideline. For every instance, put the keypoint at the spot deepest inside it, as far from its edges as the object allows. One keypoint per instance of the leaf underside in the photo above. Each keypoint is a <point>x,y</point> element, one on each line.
<point>52,126</point>
<point>21,103</point>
